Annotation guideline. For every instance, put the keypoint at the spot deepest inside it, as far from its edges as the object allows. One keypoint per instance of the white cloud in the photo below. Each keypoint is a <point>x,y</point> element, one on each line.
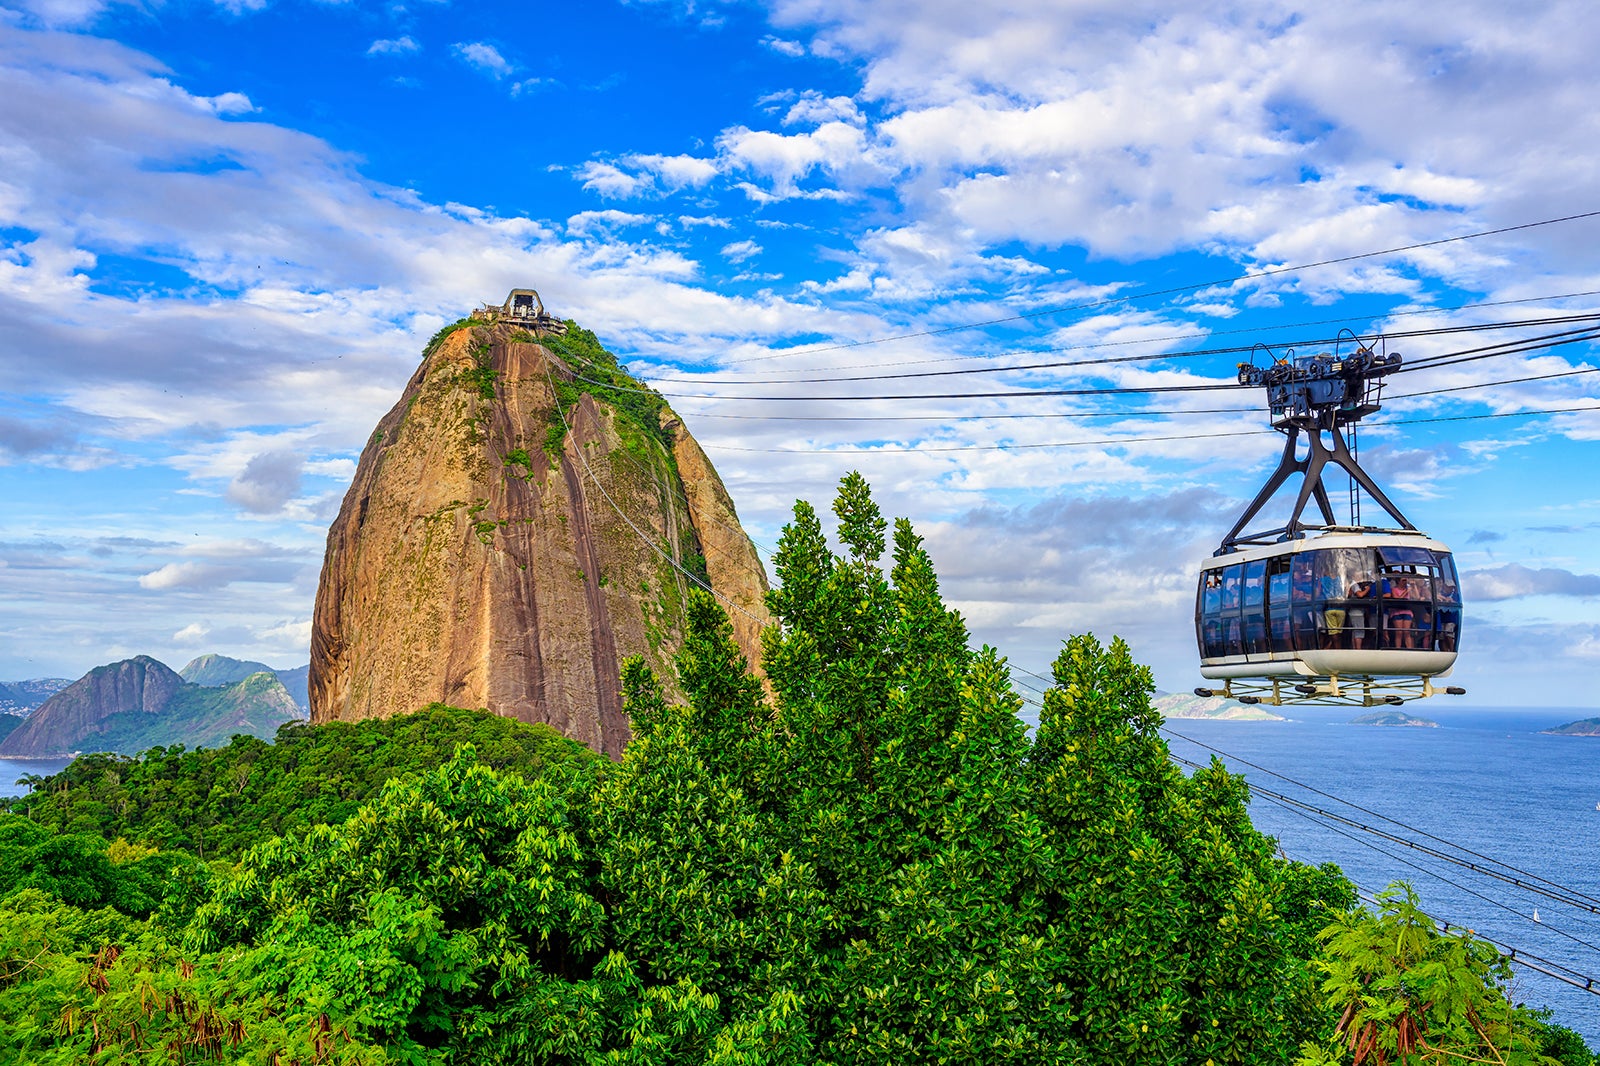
<point>783,160</point>
<point>814,109</point>
<point>227,104</point>
<point>484,57</point>
<point>191,575</point>
<point>585,223</point>
<point>739,251</point>
<point>290,636</point>
<point>193,633</point>
<point>792,49</point>
<point>268,481</point>
<point>676,171</point>
<point>611,181</point>
<point>394,46</point>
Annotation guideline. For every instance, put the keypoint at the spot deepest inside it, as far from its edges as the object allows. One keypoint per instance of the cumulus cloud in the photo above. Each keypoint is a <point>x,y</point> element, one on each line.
<point>193,633</point>
<point>812,108</point>
<point>611,181</point>
<point>292,635</point>
<point>485,58</point>
<point>1514,580</point>
<point>267,482</point>
<point>792,49</point>
<point>739,251</point>
<point>394,46</point>
<point>585,223</point>
<point>640,175</point>
<point>192,576</point>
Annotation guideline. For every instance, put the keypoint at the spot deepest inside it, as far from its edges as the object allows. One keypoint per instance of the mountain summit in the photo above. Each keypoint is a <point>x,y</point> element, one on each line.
<point>525,517</point>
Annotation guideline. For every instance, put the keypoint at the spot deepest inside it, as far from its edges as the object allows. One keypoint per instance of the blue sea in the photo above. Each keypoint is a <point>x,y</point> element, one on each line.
<point>1486,780</point>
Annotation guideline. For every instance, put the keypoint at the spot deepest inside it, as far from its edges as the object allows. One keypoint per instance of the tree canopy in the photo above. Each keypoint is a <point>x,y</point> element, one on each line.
<point>866,860</point>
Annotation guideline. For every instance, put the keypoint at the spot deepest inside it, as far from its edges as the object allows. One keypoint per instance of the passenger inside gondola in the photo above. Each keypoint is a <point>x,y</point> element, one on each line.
<point>1393,598</point>
<point>1399,616</point>
<point>1357,614</point>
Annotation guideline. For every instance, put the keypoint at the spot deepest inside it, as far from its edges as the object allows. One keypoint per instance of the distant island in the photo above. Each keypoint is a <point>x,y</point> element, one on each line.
<point>1217,708</point>
<point>1584,727</point>
<point>1393,718</point>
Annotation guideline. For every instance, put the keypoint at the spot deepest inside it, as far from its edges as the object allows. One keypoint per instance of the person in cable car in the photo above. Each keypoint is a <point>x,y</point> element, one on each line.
<point>1401,618</point>
<point>1361,590</point>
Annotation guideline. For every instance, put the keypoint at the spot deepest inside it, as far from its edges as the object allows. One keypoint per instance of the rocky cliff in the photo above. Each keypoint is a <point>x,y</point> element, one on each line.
<point>79,711</point>
<point>513,532</point>
<point>136,704</point>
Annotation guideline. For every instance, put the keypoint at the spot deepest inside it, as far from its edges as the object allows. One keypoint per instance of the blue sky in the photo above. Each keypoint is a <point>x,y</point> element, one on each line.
<point>226,230</point>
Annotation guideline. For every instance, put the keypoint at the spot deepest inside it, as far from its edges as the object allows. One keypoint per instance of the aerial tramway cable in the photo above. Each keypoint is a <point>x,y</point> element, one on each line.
<point>1376,814</point>
<point>1119,441</point>
<point>1192,335</point>
<point>1144,295</point>
<point>1195,353</point>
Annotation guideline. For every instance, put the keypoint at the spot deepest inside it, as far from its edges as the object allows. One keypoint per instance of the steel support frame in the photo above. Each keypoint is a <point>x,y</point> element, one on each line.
<point>1318,455</point>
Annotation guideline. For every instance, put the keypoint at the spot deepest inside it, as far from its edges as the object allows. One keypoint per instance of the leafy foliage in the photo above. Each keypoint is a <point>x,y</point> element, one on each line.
<point>597,372</point>
<point>218,802</point>
<point>864,860</point>
<point>1408,993</point>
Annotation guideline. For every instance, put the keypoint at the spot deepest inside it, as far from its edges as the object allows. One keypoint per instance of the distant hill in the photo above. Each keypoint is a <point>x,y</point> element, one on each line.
<point>1585,727</point>
<point>17,696</point>
<point>139,703</point>
<point>214,670</point>
<point>1217,708</point>
<point>1393,718</point>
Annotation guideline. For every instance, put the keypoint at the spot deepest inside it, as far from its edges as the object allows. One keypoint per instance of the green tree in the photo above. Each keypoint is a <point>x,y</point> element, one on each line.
<point>1407,993</point>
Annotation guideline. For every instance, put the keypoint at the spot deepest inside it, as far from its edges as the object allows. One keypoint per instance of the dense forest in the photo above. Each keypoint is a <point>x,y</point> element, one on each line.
<point>864,859</point>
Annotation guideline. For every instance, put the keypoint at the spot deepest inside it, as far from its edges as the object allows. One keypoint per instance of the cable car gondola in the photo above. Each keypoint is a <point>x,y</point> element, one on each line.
<point>1326,613</point>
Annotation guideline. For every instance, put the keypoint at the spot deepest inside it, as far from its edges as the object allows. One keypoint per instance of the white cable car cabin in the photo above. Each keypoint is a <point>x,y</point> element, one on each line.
<point>1341,604</point>
<point>1324,613</point>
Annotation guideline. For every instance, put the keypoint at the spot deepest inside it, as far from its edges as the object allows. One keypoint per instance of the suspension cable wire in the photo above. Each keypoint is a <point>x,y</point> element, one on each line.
<point>1532,344</point>
<point>1437,875</point>
<point>1551,340</point>
<point>1121,441</point>
<point>1548,967</point>
<point>1150,294</point>
<point>1146,413</point>
<point>1193,335</point>
<point>1196,353</point>
<point>1458,886</point>
<point>1570,900</point>
<point>1278,802</point>
<point>1376,814</point>
<point>678,494</point>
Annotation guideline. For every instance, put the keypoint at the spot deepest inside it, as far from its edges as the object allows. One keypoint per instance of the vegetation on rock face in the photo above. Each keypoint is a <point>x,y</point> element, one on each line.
<point>598,373</point>
<point>874,865</point>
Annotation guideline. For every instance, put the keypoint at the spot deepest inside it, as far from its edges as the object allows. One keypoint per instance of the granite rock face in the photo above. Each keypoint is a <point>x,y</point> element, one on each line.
<point>130,706</point>
<point>63,722</point>
<point>499,549</point>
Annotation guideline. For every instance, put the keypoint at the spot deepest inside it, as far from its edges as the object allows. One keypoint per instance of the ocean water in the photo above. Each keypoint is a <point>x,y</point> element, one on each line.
<point>1486,780</point>
<point>12,769</point>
